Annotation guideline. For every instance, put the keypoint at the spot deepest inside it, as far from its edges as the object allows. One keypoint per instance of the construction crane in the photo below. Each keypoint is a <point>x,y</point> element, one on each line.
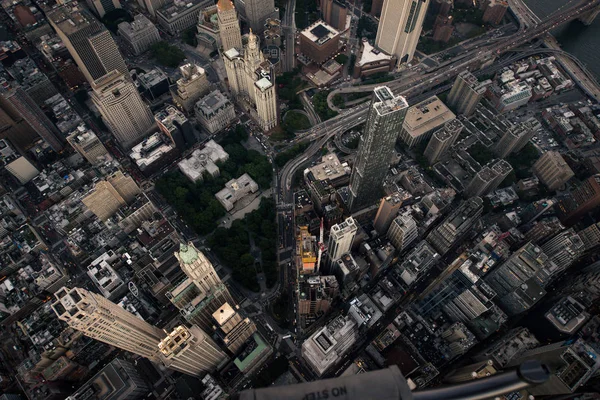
<point>321,247</point>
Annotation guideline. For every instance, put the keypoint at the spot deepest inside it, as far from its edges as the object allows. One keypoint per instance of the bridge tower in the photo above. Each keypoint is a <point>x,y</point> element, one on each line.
<point>589,17</point>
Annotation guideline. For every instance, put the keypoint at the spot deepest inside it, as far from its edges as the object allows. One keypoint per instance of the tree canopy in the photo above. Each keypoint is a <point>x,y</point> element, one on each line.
<point>167,55</point>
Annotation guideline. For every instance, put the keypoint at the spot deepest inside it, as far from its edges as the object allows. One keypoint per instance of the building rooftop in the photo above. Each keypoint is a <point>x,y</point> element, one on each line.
<point>70,18</point>
<point>330,168</point>
<point>387,102</point>
<point>245,359</point>
<point>187,253</point>
<point>169,117</point>
<point>210,104</point>
<point>203,160</point>
<point>223,314</point>
<point>232,53</point>
<point>263,84</point>
<point>320,32</point>
<point>150,150</point>
<point>426,115</point>
<point>105,277</point>
<point>371,54</point>
<point>151,78</point>
<point>139,24</point>
<point>173,10</point>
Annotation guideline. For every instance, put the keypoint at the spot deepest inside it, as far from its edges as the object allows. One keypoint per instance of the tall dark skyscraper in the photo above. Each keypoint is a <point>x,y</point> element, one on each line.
<point>35,117</point>
<point>88,41</point>
<point>376,147</point>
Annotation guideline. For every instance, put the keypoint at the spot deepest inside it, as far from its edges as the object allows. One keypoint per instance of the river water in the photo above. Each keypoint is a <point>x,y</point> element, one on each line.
<point>580,40</point>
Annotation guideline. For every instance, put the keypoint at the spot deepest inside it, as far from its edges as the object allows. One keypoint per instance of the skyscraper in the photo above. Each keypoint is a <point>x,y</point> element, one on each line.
<point>341,237</point>
<point>571,365</point>
<point>103,320</point>
<point>376,147</point>
<point>403,232</point>
<point>255,12</point>
<point>88,41</point>
<point>400,27</point>
<point>514,139</point>
<point>192,85</point>
<point>101,7</point>
<point>234,329</point>
<point>517,281</point>
<point>88,145</point>
<point>334,13</point>
<point>191,351</point>
<point>488,178</point>
<point>465,94</point>
<point>442,140</point>
<point>590,236</point>
<point>552,170</point>
<point>388,209</point>
<point>266,104</point>
<point>583,199</point>
<point>14,128</point>
<point>564,249</point>
<point>122,109</point>
<point>229,25</point>
<point>202,293</point>
<point>35,117</point>
<point>252,82</point>
<point>456,225</point>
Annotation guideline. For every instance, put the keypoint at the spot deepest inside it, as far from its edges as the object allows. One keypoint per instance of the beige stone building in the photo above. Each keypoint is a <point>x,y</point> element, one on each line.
<point>122,109</point>
<point>552,170</point>
<point>234,329</point>
<point>229,25</point>
<point>192,85</point>
<point>191,351</point>
<point>252,82</point>
<point>103,320</point>
<point>400,27</point>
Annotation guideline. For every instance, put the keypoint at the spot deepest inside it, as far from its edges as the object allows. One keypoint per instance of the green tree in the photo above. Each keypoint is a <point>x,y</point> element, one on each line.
<point>321,107</point>
<point>341,58</point>
<point>189,37</point>
<point>167,55</point>
<point>113,18</point>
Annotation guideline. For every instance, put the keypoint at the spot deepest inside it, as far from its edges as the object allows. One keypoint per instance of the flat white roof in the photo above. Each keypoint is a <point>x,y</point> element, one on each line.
<point>312,37</point>
<point>263,83</point>
<point>232,53</point>
<point>371,54</point>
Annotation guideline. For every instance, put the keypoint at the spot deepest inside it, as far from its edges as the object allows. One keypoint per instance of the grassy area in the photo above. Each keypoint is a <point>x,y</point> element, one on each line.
<point>167,55</point>
<point>366,28</point>
<point>282,158</point>
<point>468,14</point>
<point>338,101</point>
<point>321,107</point>
<point>233,245</point>
<point>341,58</point>
<point>189,37</point>
<point>195,201</point>
<point>289,83</point>
<point>294,121</point>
